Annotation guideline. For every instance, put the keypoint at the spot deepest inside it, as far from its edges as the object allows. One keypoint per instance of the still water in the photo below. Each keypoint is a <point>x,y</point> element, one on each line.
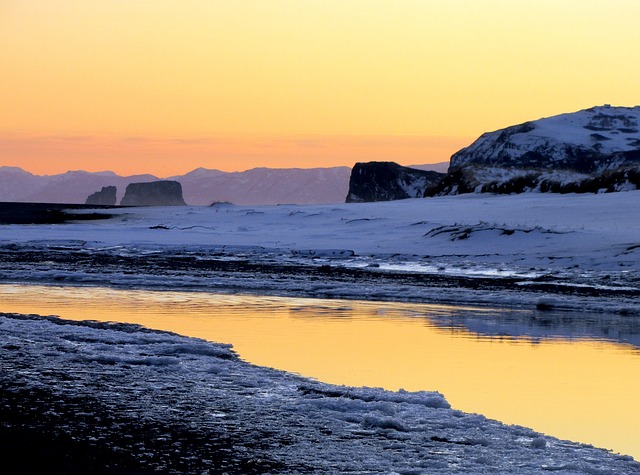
<point>571,376</point>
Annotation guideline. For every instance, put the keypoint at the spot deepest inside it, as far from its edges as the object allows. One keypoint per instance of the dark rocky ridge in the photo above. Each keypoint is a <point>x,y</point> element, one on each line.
<point>155,193</point>
<point>106,196</point>
<point>387,181</point>
<point>468,180</point>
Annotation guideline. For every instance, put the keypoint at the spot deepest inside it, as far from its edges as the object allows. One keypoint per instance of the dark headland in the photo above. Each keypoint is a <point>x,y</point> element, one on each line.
<point>50,213</point>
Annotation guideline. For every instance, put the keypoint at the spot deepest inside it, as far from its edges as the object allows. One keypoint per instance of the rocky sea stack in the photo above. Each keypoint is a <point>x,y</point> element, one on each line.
<point>106,196</point>
<point>386,181</point>
<point>155,193</point>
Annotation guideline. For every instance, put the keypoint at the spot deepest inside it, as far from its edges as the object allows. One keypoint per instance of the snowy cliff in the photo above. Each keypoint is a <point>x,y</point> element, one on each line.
<point>587,141</point>
<point>596,149</point>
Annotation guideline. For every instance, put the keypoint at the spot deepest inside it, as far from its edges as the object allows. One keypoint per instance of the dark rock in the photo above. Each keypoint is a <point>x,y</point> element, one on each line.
<point>386,181</point>
<point>155,193</point>
<point>467,181</point>
<point>106,196</point>
<point>453,183</point>
<point>47,213</point>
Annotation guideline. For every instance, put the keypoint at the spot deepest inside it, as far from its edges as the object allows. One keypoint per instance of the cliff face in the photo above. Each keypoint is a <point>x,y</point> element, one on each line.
<point>155,193</point>
<point>386,181</point>
<point>106,196</point>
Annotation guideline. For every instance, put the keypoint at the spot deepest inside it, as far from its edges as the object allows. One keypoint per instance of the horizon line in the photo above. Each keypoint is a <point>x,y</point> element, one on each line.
<point>98,172</point>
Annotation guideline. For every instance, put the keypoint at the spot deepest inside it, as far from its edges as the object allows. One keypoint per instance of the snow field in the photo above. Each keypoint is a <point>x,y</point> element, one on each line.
<point>569,240</point>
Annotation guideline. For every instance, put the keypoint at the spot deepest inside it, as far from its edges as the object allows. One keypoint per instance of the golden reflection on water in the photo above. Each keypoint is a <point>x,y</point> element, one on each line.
<point>583,390</point>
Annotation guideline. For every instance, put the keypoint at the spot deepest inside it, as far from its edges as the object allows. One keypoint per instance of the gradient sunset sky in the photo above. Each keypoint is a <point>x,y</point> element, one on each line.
<point>165,86</point>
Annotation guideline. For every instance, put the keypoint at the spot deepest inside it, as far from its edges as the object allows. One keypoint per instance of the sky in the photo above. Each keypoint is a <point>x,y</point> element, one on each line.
<point>166,86</point>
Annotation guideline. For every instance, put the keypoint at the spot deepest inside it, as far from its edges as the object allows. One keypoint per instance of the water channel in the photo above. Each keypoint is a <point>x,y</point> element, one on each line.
<point>571,376</point>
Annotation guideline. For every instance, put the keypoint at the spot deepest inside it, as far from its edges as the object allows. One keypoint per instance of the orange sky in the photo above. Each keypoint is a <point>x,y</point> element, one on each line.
<point>167,156</point>
<point>165,86</point>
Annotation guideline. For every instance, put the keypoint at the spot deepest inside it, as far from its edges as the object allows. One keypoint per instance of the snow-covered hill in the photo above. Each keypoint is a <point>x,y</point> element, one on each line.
<point>592,150</point>
<point>587,141</point>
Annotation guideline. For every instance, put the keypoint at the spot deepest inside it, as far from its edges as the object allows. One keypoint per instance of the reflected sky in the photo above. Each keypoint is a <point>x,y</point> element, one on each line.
<point>574,378</point>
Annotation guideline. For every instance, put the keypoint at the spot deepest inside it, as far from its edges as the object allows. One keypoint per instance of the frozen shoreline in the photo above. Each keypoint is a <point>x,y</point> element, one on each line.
<point>268,272</point>
<point>160,401</point>
<point>570,251</point>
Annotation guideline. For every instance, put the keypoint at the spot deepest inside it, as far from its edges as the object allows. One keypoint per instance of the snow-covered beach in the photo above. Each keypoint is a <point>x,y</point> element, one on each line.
<point>569,251</point>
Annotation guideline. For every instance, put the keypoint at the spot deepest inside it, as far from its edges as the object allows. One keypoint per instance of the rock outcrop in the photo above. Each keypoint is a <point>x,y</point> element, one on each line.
<point>481,180</point>
<point>595,149</point>
<point>106,196</point>
<point>155,193</point>
<point>386,181</point>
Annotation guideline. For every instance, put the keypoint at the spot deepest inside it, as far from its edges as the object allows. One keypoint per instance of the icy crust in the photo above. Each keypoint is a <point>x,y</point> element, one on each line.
<point>156,401</point>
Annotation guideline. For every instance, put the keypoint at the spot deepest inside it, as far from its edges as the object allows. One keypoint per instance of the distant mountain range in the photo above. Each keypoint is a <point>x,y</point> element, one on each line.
<point>200,186</point>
